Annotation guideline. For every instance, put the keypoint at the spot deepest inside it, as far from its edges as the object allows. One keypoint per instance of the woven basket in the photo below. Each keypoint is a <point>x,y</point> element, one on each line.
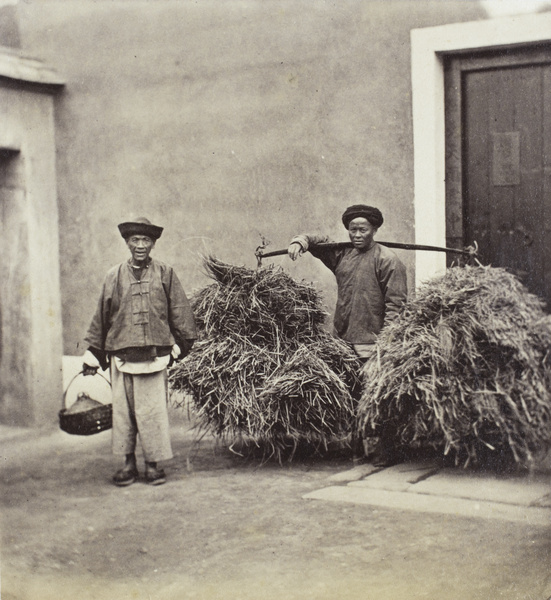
<point>94,418</point>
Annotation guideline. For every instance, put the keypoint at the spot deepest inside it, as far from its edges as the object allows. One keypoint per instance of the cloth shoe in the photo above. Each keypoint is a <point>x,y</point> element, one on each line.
<point>126,476</point>
<point>154,475</point>
<point>385,461</point>
<point>387,457</point>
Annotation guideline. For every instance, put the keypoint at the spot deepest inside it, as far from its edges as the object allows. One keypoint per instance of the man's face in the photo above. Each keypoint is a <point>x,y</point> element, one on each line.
<point>140,246</point>
<point>361,233</point>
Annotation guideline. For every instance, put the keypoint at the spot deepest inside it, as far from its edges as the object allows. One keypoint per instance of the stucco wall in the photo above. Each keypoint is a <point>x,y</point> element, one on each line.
<point>224,121</point>
<point>30,306</point>
<point>9,28</point>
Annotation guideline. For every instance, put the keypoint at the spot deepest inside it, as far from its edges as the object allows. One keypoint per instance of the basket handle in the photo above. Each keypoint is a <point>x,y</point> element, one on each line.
<point>71,382</point>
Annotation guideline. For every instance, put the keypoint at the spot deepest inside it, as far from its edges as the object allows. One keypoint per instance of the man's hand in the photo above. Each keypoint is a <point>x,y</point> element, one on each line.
<point>90,365</point>
<point>88,370</point>
<point>295,251</point>
<point>175,354</point>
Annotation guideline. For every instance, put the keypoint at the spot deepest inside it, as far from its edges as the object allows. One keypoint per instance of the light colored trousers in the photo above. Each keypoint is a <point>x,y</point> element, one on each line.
<point>140,407</point>
<point>363,350</point>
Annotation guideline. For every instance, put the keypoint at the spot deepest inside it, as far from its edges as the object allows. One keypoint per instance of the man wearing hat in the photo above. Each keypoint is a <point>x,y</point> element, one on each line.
<point>142,323</point>
<point>371,282</point>
<point>371,279</point>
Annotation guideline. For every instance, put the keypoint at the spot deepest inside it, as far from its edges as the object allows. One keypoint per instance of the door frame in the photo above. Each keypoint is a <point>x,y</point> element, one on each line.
<point>429,46</point>
<point>31,390</point>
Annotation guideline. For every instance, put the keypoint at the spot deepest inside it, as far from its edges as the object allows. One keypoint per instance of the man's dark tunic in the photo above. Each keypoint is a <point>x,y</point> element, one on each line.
<point>372,286</point>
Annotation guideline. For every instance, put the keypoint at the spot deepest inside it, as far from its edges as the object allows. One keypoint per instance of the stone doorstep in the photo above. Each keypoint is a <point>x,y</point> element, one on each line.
<point>354,474</point>
<point>414,471</point>
<point>398,478</point>
<point>428,479</point>
<point>425,503</point>
<point>522,491</point>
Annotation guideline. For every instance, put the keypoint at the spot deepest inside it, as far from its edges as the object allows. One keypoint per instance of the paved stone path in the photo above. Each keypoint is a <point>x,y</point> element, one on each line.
<point>426,487</point>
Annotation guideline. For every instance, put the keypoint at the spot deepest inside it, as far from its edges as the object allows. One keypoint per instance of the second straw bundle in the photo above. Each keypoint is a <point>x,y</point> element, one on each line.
<point>465,369</point>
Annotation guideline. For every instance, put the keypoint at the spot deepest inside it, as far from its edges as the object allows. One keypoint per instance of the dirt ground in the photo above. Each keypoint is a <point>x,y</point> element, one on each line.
<point>227,528</point>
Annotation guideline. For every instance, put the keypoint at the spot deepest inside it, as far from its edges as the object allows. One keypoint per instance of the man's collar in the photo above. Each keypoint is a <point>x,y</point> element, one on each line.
<point>147,263</point>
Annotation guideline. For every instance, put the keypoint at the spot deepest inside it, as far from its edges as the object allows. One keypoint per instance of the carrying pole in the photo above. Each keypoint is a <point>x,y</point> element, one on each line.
<point>469,251</point>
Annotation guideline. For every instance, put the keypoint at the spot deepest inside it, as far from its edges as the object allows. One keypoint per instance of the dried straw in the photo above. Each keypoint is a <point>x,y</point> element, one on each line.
<point>265,371</point>
<point>465,370</point>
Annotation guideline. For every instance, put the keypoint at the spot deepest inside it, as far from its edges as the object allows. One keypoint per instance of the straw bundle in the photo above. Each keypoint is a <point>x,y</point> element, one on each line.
<point>464,370</point>
<point>265,371</point>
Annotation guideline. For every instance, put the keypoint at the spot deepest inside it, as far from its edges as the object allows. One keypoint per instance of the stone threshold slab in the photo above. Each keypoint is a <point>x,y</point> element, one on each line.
<point>399,478</point>
<point>511,490</point>
<point>424,503</point>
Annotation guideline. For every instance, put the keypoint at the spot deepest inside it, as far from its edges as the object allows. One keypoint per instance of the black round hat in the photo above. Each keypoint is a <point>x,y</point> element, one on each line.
<point>140,226</point>
<point>372,214</point>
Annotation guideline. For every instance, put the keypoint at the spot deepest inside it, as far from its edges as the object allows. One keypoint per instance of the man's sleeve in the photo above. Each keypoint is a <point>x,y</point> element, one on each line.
<point>393,281</point>
<point>99,326</point>
<point>180,316</point>
<point>328,256</point>
<point>97,331</point>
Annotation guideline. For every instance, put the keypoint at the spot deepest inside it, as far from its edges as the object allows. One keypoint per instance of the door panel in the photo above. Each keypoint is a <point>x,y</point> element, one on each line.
<point>505,124</point>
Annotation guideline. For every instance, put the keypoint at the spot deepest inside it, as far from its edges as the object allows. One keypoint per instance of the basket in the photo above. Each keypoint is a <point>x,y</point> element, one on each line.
<point>86,416</point>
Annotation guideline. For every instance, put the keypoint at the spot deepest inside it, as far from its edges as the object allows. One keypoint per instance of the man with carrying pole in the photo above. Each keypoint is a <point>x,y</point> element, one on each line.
<point>371,284</point>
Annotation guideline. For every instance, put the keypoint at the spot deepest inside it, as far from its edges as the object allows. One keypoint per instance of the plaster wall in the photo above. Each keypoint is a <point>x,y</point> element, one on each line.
<point>225,122</point>
<point>9,30</point>
<point>46,342</point>
<point>30,304</point>
<point>15,298</point>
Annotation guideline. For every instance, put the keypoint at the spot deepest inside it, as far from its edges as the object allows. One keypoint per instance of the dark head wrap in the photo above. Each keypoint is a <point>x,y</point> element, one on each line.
<point>372,214</point>
<point>140,226</point>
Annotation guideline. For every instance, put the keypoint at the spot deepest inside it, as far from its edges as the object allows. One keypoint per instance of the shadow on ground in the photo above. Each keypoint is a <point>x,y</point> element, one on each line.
<point>225,527</point>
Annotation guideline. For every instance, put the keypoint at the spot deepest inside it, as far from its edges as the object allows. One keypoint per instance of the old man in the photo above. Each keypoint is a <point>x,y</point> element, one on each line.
<point>371,289</point>
<point>142,323</point>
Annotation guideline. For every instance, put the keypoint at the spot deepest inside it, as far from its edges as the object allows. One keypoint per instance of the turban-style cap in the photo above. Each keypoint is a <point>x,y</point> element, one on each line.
<point>372,214</point>
<point>140,226</point>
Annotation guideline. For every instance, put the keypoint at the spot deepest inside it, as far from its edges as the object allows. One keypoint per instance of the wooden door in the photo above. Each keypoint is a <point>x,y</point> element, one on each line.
<point>499,170</point>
